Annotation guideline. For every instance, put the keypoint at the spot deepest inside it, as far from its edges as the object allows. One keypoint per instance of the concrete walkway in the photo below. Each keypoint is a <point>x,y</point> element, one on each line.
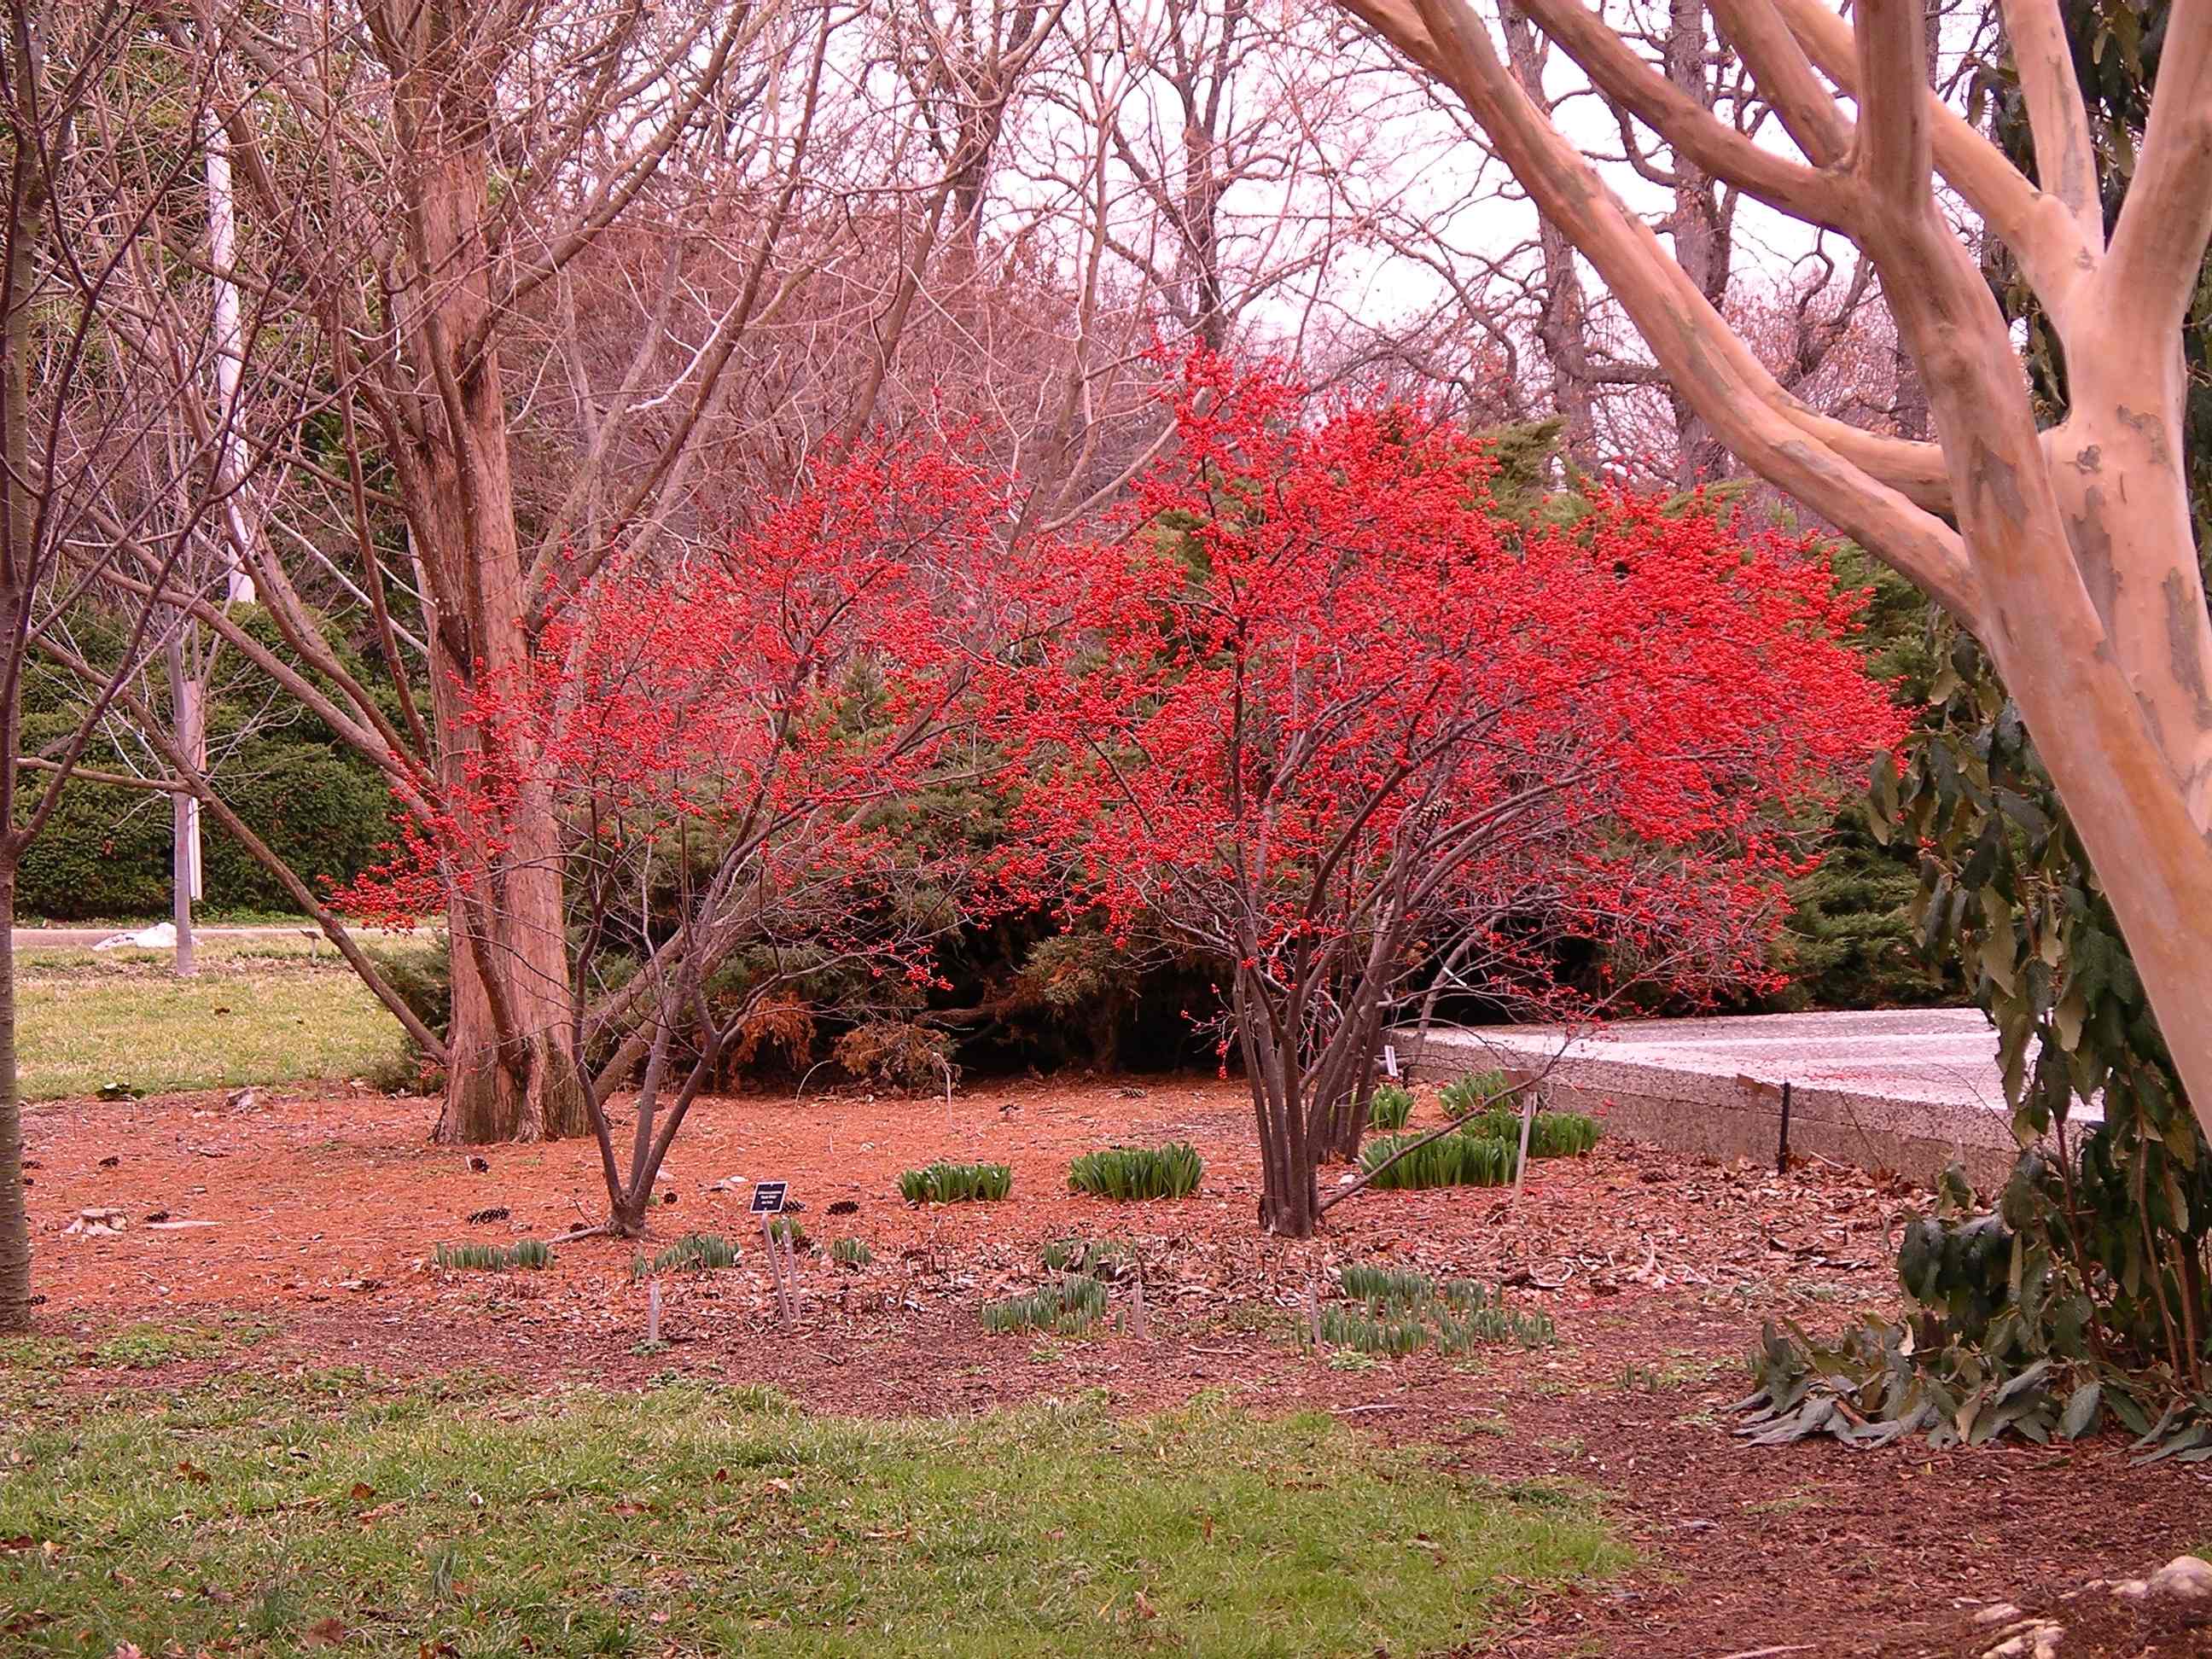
<point>83,938</point>
<point>1905,1089</point>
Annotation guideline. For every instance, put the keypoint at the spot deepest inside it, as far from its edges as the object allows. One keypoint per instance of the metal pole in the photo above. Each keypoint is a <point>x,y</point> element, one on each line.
<point>1781,1151</point>
<point>775,1265</point>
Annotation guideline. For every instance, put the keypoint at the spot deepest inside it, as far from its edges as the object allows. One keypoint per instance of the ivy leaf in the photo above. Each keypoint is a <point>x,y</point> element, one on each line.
<point>2079,1415</point>
<point>2066,1018</point>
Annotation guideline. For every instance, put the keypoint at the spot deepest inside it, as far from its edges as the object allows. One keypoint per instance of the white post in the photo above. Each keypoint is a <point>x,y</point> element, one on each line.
<point>230,464</point>
<point>183,809</point>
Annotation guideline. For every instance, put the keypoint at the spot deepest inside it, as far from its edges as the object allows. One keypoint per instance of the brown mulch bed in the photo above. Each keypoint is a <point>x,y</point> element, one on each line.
<point>1656,1267</point>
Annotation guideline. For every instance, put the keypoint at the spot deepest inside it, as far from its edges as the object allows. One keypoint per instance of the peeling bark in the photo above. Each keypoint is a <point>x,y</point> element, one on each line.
<point>2080,575</point>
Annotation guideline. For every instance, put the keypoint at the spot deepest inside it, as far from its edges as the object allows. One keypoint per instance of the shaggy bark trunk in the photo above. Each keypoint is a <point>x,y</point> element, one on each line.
<point>509,1073</point>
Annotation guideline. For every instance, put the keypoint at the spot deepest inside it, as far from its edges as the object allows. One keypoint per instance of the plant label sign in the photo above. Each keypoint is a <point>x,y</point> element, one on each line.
<point>1390,1059</point>
<point>768,1196</point>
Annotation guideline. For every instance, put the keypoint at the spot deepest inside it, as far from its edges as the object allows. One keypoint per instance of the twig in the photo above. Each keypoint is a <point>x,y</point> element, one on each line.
<point>599,1230</point>
<point>1451,1127</point>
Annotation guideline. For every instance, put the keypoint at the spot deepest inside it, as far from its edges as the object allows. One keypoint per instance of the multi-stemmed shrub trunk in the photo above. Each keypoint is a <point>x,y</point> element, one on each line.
<point>1290,1194</point>
<point>1311,1082</point>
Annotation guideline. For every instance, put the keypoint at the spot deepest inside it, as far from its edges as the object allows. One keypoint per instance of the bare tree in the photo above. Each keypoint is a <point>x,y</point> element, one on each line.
<point>90,463</point>
<point>2069,553</point>
<point>424,181</point>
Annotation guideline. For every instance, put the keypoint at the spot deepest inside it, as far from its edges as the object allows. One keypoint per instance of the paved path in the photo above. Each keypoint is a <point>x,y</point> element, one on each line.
<point>1904,1089</point>
<point>1944,1056</point>
<point>83,938</point>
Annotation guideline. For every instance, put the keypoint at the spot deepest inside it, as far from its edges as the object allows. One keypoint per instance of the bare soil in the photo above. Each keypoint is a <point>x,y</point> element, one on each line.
<point>1657,1269</point>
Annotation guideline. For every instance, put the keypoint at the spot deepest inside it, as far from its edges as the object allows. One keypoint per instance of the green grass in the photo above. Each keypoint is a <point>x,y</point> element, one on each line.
<point>147,1345</point>
<point>258,1012</point>
<point>270,1517</point>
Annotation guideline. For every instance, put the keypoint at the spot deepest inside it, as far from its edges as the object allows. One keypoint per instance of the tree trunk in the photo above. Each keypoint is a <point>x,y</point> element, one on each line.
<point>1562,326</point>
<point>1700,234</point>
<point>15,1223</point>
<point>19,533</point>
<point>2074,559</point>
<point>509,1075</point>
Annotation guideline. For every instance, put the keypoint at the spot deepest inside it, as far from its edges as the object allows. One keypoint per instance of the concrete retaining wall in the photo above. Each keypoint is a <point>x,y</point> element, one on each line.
<point>1714,1087</point>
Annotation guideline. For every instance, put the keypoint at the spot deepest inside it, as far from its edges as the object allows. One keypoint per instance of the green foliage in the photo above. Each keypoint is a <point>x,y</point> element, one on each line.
<point>1551,1135</point>
<point>530,1253</point>
<point>693,1253</point>
<point>106,852</point>
<point>420,972</point>
<point>1107,1259</point>
<point>1474,1092</point>
<point>1125,1172</point>
<point>956,1183</point>
<point>1068,1307</point>
<point>1401,1312</point>
<point>1850,942</point>
<point>850,1253</point>
<point>786,1230</point>
<point>1457,1159</point>
<point>1389,1107</point>
<point>1524,454</point>
<point>1871,1387</point>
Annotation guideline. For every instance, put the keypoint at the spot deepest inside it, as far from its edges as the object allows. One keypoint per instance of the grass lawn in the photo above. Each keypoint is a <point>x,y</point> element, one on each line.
<point>329,1511</point>
<point>259,1011</point>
